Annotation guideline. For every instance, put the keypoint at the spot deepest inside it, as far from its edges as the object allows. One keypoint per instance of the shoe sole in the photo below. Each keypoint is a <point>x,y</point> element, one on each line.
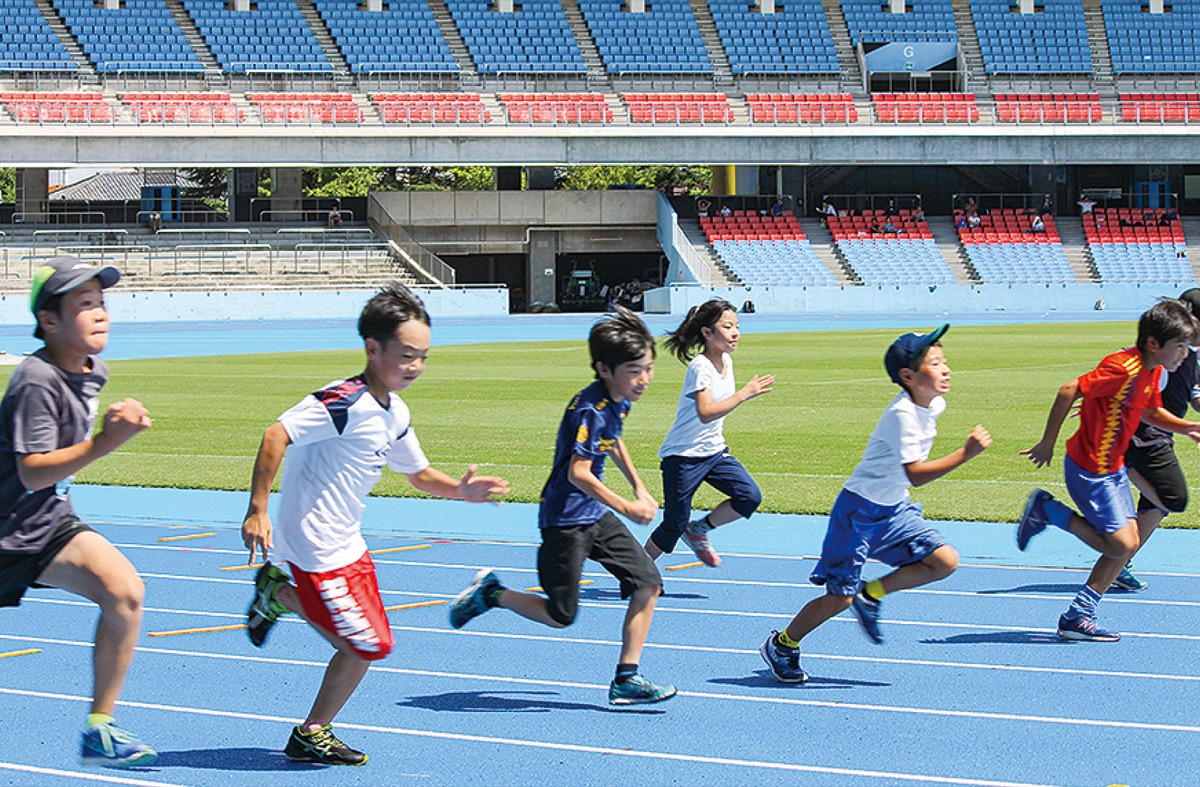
<point>319,761</point>
<point>767,660</point>
<point>1076,636</point>
<point>620,701</point>
<point>1134,588</point>
<point>476,583</point>
<point>1029,504</point>
<point>138,760</point>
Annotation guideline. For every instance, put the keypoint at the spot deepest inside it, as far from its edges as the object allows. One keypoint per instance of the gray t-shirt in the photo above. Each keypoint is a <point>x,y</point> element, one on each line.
<point>44,409</point>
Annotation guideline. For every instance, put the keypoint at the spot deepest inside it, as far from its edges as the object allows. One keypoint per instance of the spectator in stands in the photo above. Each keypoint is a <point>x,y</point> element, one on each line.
<point>1171,215</point>
<point>875,228</point>
<point>889,227</point>
<point>1037,225</point>
<point>155,222</point>
<point>971,206</point>
<point>1164,220</point>
<point>827,210</point>
<point>1099,220</point>
<point>973,220</point>
<point>1047,206</point>
<point>918,215</point>
<point>960,221</point>
<point>703,207</point>
<point>726,211</point>
<point>1085,204</point>
<point>335,217</point>
<point>777,207</point>
<point>891,209</point>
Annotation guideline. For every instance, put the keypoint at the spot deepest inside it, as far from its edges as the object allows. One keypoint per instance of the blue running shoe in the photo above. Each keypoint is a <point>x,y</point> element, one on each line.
<point>1127,581</point>
<point>867,611</point>
<point>265,609</point>
<point>639,691</point>
<point>783,661</point>
<point>110,746</point>
<point>1033,519</point>
<point>1084,629</point>
<point>472,602</point>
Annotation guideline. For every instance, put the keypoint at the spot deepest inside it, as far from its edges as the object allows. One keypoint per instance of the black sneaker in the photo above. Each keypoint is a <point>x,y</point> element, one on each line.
<point>265,609</point>
<point>322,746</point>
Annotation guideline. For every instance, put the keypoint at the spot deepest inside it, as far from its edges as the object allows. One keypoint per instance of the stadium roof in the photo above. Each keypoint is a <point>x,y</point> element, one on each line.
<point>116,186</point>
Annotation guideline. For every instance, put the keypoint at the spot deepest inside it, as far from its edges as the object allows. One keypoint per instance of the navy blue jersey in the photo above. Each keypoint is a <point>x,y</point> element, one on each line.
<point>590,428</point>
<point>1183,385</point>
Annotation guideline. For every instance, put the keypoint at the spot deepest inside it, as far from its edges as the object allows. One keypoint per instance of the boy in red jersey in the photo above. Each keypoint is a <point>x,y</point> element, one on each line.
<point>1121,392</point>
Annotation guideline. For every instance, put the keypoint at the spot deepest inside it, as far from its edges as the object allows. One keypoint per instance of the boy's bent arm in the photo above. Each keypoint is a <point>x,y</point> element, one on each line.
<point>1164,419</point>
<point>256,528</point>
<point>1043,451</point>
<point>640,510</point>
<point>921,473</point>
<point>472,488</point>
<point>123,420</point>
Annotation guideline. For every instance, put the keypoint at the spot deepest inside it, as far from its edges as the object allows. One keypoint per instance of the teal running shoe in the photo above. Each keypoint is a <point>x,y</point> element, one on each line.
<point>110,746</point>
<point>639,691</point>
<point>265,609</point>
<point>1127,581</point>
<point>473,601</point>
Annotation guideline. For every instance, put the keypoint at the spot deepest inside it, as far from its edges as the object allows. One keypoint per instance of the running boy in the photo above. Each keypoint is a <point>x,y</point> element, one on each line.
<point>46,422</point>
<point>575,517</point>
<point>694,450</point>
<point>1117,395</point>
<point>873,517</point>
<point>1153,466</point>
<point>341,437</point>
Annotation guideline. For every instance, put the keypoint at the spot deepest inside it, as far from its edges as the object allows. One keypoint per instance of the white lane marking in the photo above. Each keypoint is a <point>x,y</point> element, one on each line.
<point>90,777</point>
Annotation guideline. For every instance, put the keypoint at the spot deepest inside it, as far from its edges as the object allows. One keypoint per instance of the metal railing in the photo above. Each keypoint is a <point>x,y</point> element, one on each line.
<point>408,251</point>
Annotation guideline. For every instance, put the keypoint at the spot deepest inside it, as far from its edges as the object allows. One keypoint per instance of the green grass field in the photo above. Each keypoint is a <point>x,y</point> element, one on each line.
<point>499,406</point>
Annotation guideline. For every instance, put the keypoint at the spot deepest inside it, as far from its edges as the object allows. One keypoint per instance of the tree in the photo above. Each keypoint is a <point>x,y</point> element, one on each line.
<point>682,180</point>
<point>8,186</point>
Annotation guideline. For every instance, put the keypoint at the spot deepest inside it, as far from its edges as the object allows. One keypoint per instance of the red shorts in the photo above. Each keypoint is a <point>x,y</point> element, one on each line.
<point>346,603</point>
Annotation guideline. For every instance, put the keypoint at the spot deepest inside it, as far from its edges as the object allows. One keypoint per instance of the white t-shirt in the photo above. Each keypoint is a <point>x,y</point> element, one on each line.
<point>903,435</point>
<point>688,436</point>
<point>341,438</point>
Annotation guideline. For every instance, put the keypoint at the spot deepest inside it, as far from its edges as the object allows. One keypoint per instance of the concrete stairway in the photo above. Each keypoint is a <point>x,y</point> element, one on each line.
<point>596,73</point>
<point>946,237</point>
<point>722,71</point>
<point>329,47</point>
<point>1104,83</point>
<point>194,37</point>
<point>975,80</point>
<point>821,241</point>
<point>59,27</point>
<point>457,44</point>
<point>1191,232</point>
<point>695,235</point>
<point>1070,230</point>
<point>851,78</point>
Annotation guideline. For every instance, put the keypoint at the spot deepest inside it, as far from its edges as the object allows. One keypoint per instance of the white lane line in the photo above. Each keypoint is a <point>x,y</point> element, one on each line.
<point>550,745</point>
<point>90,777</point>
<point>826,704</point>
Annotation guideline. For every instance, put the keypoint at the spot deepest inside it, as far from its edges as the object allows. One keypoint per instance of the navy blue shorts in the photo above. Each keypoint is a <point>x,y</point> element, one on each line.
<point>1105,500</point>
<point>859,529</point>
<point>683,475</point>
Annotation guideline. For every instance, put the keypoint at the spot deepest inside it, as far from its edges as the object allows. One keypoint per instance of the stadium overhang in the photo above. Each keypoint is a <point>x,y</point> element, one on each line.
<point>336,146</point>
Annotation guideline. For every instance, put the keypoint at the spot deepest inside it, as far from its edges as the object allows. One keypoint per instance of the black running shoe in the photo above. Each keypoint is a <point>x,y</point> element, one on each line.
<point>265,609</point>
<point>321,746</point>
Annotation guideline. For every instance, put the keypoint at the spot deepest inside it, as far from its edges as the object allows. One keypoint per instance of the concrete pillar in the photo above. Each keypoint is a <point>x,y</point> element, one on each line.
<point>112,5</point>
<point>33,190</point>
<point>896,6</point>
<point>766,6</point>
<point>374,6</point>
<point>724,179</point>
<point>1156,6</point>
<point>543,255</point>
<point>504,6</point>
<point>637,6</point>
<point>508,178</point>
<point>286,192</point>
<point>241,5</point>
<point>1025,6</point>
<point>243,188</point>
<point>539,178</point>
<point>745,181</point>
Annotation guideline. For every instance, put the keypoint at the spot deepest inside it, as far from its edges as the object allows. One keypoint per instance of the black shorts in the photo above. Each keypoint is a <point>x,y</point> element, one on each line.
<point>19,571</point>
<point>609,543</point>
<point>1159,465</point>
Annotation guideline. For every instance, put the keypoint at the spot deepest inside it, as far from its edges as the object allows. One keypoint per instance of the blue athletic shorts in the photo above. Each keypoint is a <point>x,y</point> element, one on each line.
<point>683,475</point>
<point>859,529</point>
<point>1105,500</point>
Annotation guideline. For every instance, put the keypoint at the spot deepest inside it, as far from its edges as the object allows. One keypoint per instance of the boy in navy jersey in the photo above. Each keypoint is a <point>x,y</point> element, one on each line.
<point>575,517</point>
<point>340,439</point>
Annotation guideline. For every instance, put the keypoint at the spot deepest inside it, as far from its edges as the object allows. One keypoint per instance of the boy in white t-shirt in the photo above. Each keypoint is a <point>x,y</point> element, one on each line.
<point>340,438</point>
<point>873,516</point>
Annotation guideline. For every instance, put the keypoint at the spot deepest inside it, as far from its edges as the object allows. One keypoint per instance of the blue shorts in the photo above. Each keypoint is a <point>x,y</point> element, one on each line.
<point>1105,500</point>
<point>683,475</point>
<point>859,529</point>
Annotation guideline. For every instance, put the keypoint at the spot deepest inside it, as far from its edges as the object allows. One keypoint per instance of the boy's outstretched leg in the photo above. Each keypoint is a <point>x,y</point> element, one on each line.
<point>91,567</point>
<point>868,602</point>
<point>629,687</point>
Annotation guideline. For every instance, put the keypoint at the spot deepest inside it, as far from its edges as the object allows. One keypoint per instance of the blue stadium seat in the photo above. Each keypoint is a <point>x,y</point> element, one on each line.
<point>1141,42</point>
<point>1053,39</point>
<point>664,39</point>
<point>795,39</point>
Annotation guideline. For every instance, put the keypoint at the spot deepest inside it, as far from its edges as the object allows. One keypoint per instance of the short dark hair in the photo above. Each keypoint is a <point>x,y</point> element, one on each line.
<point>387,309</point>
<point>684,341</point>
<point>1167,321</point>
<point>52,304</point>
<point>619,338</point>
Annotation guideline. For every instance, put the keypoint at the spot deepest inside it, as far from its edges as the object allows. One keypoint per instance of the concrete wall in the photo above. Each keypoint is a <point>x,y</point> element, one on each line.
<point>533,208</point>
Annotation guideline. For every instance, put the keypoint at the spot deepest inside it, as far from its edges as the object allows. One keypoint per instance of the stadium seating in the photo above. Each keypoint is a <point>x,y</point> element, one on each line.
<point>908,256</point>
<point>536,38</point>
<point>678,107</point>
<point>663,39</point>
<point>26,41</point>
<point>1049,108</point>
<point>403,36</point>
<point>925,107</point>
<point>1004,249</point>
<point>795,39</point>
<point>307,107</point>
<point>431,108</point>
<point>139,36</point>
<point>189,108</point>
<point>802,108</point>
<point>1145,43</point>
<point>1052,40</point>
<point>1137,245</point>
<point>556,108</point>
<point>28,107</point>
<point>1160,107</point>
<point>929,20</point>
<point>766,249</point>
<point>272,37</point>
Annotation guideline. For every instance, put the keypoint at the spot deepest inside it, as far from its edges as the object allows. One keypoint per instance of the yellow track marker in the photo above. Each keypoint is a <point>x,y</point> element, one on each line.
<point>177,632</point>
<point>184,538</point>
<point>11,653</point>
<point>398,549</point>
<point>242,568</point>
<point>682,566</point>
<point>436,603</point>
<point>539,588</point>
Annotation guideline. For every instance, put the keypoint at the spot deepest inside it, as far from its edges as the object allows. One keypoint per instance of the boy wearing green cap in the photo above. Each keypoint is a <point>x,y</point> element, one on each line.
<point>46,421</point>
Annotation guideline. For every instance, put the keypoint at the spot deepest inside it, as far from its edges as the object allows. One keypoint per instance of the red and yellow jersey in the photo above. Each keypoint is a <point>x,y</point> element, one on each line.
<point>1115,394</point>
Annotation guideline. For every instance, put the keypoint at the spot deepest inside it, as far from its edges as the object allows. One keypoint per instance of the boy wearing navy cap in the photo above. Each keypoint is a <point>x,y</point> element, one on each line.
<point>46,422</point>
<point>873,516</point>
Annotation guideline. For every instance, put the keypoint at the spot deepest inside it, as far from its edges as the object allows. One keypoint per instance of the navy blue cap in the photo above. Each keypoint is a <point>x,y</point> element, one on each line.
<point>900,355</point>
